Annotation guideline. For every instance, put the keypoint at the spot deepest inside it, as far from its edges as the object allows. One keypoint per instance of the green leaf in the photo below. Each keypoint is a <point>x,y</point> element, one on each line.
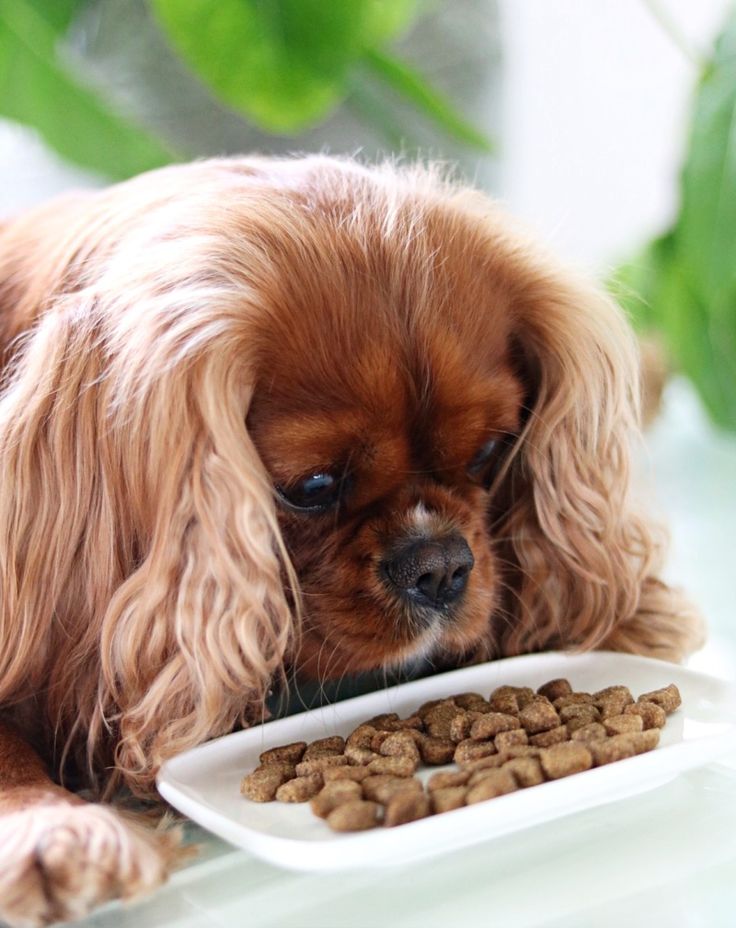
<point>40,91</point>
<point>686,280</point>
<point>413,87</point>
<point>58,14</point>
<point>283,63</point>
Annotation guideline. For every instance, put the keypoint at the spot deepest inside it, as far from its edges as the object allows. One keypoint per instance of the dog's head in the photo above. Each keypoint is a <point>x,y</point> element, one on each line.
<point>301,412</point>
<point>389,393</point>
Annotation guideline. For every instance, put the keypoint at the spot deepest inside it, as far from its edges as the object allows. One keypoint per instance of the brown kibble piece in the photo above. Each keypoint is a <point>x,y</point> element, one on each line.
<point>538,715</point>
<point>473,750</point>
<point>413,722</point>
<point>460,726</point>
<point>667,698</point>
<point>490,724</point>
<point>472,702</point>
<point>545,739</point>
<point>505,702</point>
<point>381,787</point>
<point>286,753</point>
<point>444,780</point>
<point>378,739</point>
<point>652,715</point>
<point>520,750</point>
<point>562,760</point>
<point>261,785</point>
<point>300,789</point>
<point>444,800</point>
<point>527,771</point>
<point>620,724</point>
<point>318,764</point>
<point>593,731</point>
<point>493,783</point>
<point>386,721</point>
<point>355,815</point>
<point>612,749</point>
<point>555,688</point>
<point>357,755</point>
<point>508,739</point>
<point>610,706</point>
<point>324,747</point>
<point>337,774</point>
<point>436,751</point>
<point>399,765</point>
<point>572,699</point>
<point>438,720</point>
<point>493,761</point>
<point>619,693</point>
<point>361,737</point>
<point>333,794</point>
<point>522,695</point>
<point>585,713</point>
<point>431,704</point>
<point>619,747</point>
<point>401,743</point>
<point>405,807</point>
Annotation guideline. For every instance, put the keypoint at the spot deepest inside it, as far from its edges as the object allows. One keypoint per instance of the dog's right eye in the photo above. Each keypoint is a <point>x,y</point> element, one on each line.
<point>314,493</point>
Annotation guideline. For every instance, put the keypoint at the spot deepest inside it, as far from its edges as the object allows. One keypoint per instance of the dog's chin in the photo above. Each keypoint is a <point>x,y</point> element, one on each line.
<point>323,660</point>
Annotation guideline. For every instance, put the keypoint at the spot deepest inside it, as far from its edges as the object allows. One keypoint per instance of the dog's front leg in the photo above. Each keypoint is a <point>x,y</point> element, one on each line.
<point>61,856</point>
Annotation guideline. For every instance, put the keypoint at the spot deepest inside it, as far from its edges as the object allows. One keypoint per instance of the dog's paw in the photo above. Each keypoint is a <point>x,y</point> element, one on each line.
<point>57,862</point>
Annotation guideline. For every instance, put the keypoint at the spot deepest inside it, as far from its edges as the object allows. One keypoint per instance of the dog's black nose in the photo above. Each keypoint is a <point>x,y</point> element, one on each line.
<point>431,573</point>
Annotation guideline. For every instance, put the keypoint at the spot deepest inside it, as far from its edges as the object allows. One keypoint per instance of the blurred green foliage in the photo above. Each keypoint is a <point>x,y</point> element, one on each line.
<point>38,88</point>
<point>283,65</point>
<point>684,284</point>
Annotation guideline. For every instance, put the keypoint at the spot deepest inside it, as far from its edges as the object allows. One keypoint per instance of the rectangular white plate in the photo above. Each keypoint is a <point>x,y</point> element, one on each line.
<point>204,783</point>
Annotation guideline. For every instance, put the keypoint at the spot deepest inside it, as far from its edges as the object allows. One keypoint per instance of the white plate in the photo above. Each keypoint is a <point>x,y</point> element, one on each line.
<point>204,783</point>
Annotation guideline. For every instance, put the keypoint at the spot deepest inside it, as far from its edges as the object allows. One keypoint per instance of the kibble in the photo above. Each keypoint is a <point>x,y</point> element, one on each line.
<point>652,715</point>
<point>396,766</point>
<point>334,794</point>
<point>356,815</point>
<point>261,785</point>
<point>472,750</point>
<point>668,698</point>
<point>620,724</point>
<point>300,788</point>
<point>401,744</point>
<point>489,725</point>
<point>493,783</point>
<point>404,807</point>
<point>318,764</point>
<point>444,800</point>
<point>538,715</point>
<point>594,731</point>
<point>516,739</point>
<point>356,755</point>
<point>508,739</point>
<point>287,753</point>
<point>380,788</point>
<point>555,689</point>
<point>562,760</point>
<point>546,739</point>
<point>436,751</point>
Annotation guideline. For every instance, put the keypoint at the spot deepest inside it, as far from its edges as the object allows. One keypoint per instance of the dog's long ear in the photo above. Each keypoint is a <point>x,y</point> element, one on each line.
<point>142,573</point>
<point>583,560</point>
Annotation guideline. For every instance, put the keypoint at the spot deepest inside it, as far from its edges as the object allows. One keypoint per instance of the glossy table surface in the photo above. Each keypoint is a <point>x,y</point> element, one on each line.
<point>665,857</point>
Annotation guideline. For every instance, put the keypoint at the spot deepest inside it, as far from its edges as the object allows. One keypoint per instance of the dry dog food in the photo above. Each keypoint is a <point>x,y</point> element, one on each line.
<point>514,739</point>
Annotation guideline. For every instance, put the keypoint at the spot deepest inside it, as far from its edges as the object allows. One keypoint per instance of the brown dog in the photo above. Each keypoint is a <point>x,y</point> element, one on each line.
<point>298,414</point>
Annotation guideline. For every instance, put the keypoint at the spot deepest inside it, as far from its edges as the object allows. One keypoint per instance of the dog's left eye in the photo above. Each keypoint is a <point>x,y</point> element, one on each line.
<point>314,493</point>
<point>484,464</point>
